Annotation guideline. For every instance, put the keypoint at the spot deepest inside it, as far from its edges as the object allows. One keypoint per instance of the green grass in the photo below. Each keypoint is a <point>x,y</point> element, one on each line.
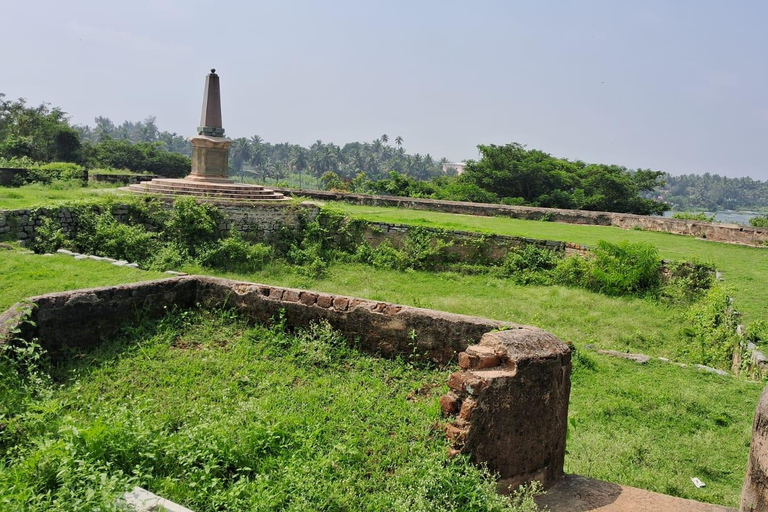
<point>656,426</point>
<point>744,268</point>
<point>23,274</point>
<point>29,196</point>
<point>572,314</point>
<point>282,422</point>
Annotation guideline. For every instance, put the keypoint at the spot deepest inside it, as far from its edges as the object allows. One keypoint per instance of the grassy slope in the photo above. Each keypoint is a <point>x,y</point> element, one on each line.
<point>744,268</point>
<point>24,275</point>
<point>14,198</point>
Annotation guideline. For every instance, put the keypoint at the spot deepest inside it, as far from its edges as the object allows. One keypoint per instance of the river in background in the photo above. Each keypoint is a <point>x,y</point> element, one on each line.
<point>728,216</point>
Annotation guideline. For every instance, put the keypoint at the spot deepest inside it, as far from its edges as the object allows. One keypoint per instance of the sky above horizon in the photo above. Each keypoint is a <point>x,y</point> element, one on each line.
<point>673,86</point>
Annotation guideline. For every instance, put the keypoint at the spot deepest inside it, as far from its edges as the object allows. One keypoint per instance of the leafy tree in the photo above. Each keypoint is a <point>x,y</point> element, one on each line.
<point>41,133</point>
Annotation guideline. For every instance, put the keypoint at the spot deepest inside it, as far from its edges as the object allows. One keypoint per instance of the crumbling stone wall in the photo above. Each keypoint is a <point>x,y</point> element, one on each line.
<point>732,233</point>
<point>497,395</point>
<point>511,395</point>
<point>465,244</point>
<point>754,494</point>
<point>260,222</point>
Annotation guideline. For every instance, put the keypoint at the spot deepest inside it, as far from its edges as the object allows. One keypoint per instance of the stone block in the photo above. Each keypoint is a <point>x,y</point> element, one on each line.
<point>449,404</point>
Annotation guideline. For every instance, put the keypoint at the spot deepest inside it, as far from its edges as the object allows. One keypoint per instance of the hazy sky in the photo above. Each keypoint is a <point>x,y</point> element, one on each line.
<point>673,85</point>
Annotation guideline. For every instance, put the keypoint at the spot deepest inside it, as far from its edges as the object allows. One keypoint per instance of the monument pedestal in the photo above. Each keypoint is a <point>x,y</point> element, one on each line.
<point>210,159</point>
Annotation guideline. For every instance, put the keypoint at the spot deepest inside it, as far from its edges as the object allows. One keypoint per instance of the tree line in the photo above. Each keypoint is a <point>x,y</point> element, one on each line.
<point>712,192</point>
<point>510,174</point>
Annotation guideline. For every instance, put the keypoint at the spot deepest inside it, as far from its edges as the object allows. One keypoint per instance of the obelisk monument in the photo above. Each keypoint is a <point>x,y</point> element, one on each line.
<point>210,149</point>
<point>210,158</point>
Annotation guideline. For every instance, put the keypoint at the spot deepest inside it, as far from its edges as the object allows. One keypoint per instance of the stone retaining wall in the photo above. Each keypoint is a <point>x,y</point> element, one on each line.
<point>733,233</point>
<point>9,175</point>
<point>120,178</point>
<point>513,415</point>
<point>261,222</point>
<point>466,245</point>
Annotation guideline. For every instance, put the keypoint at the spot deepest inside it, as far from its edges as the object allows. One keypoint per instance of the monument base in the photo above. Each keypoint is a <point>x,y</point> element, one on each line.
<point>208,188</point>
<point>210,159</point>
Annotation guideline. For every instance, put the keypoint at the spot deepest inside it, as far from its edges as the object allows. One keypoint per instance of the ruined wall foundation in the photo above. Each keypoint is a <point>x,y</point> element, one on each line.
<point>510,409</point>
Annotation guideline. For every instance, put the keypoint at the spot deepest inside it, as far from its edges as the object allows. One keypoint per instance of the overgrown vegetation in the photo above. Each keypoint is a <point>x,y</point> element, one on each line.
<point>760,221</point>
<point>319,435</point>
<point>701,216</point>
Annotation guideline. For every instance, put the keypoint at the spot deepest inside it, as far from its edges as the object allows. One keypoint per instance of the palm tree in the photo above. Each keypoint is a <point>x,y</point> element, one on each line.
<point>399,141</point>
<point>299,161</point>
<point>239,153</point>
<point>385,138</point>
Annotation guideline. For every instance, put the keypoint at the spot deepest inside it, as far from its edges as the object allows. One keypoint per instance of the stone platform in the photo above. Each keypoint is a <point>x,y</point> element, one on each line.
<point>219,189</point>
<point>579,494</point>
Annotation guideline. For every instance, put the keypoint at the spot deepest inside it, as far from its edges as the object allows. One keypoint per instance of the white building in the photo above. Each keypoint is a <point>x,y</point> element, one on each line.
<point>459,166</point>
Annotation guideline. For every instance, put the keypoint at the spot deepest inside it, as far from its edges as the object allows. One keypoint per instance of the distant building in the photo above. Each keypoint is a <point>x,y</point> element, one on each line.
<point>459,166</point>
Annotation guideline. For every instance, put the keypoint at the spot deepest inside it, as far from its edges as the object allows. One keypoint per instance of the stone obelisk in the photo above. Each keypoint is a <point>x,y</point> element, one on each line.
<point>210,149</point>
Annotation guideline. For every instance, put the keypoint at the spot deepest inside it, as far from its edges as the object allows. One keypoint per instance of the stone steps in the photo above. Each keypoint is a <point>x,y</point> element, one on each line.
<point>224,191</point>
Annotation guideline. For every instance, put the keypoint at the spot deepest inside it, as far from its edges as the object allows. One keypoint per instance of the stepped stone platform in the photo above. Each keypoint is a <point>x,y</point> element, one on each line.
<point>579,494</point>
<point>215,189</point>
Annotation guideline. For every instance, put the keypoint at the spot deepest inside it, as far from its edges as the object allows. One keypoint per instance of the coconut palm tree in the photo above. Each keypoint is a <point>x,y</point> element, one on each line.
<point>399,141</point>
<point>385,138</point>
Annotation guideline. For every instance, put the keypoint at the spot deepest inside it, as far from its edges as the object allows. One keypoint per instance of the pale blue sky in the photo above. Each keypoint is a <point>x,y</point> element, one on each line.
<point>678,86</point>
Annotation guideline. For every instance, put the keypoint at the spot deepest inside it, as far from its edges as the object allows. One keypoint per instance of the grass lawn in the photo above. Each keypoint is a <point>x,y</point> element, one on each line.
<point>287,422</point>
<point>745,269</point>
<point>28,196</point>
<point>23,274</point>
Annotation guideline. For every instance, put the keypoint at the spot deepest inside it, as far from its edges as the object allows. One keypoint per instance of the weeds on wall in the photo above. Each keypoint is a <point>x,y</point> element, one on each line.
<point>152,236</point>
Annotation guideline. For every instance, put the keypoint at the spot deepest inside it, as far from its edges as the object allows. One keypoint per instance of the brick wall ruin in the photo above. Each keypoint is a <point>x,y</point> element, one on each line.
<point>512,408</point>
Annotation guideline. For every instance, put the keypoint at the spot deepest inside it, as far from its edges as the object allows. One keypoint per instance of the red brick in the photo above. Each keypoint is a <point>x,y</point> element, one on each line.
<point>324,301</point>
<point>340,303</point>
<point>449,403</point>
<point>456,435</point>
<point>308,298</point>
<point>275,293</point>
<point>291,296</point>
<point>466,409</point>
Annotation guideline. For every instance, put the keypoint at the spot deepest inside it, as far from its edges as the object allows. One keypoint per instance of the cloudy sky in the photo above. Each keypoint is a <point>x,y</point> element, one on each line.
<point>673,85</point>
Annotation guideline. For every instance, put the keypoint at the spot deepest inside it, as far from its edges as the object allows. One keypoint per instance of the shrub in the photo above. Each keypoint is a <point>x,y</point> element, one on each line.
<point>128,242</point>
<point>693,216</point>
<point>712,329</point>
<point>530,264</point>
<point>234,253</point>
<point>49,236</point>
<point>624,268</point>
<point>55,171</point>
<point>759,221</point>
<point>192,226</point>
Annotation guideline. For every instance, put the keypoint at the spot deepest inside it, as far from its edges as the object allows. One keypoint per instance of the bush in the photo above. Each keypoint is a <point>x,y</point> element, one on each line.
<point>235,254</point>
<point>192,226</point>
<point>703,217</point>
<point>55,171</point>
<point>712,329</point>
<point>759,221</point>
<point>625,268</point>
<point>530,264</point>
